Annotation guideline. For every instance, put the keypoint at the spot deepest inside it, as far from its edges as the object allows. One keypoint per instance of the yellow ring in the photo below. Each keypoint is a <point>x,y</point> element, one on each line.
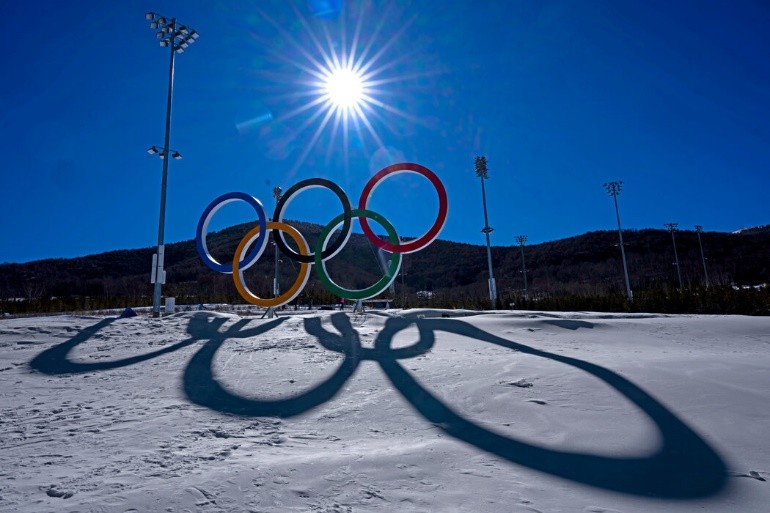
<point>299,283</point>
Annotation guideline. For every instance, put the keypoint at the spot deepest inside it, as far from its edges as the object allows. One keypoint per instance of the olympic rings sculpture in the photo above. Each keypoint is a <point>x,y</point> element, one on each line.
<point>255,241</point>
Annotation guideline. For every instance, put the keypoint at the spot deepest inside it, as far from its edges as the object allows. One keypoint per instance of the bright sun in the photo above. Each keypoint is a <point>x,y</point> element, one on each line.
<point>347,81</point>
<point>344,88</point>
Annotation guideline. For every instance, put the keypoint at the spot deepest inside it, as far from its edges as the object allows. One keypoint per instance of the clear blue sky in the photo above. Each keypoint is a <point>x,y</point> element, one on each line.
<point>673,98</point>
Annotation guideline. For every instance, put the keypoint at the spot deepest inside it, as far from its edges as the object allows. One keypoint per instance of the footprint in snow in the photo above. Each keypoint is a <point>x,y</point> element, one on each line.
<point>521,383</point>
<point>53,492</point>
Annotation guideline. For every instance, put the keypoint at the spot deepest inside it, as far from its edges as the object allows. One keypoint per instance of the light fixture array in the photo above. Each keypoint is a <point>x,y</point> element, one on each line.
<point>154,150</point>
<point>171,33</point>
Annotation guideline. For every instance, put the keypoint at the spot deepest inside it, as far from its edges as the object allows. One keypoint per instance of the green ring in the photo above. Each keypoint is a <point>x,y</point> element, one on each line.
<point>377,288</point>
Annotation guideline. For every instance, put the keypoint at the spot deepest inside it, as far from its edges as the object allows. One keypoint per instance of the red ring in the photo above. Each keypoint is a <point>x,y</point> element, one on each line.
<point>425,239</point>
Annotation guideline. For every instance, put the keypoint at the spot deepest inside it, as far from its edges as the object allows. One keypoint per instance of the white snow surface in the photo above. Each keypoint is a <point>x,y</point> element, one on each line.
<point>389,411</point>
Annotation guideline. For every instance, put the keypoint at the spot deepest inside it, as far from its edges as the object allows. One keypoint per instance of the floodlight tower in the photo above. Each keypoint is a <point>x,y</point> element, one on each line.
<point>522,239</point>
<point>613,189</point>
<point>673,227</point>
<point>177,37</point>
<point>699,230</point>
<point>277,193</point>
<point>481,172</point>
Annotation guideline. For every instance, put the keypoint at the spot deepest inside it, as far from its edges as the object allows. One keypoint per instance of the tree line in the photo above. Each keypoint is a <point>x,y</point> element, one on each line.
<point>577,273</point>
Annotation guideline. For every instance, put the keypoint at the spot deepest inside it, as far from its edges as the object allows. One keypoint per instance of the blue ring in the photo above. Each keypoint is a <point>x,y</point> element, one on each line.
<point>203,224</point>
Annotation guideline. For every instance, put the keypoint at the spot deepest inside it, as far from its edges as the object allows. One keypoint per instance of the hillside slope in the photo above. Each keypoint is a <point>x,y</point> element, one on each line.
<point>585,264</point>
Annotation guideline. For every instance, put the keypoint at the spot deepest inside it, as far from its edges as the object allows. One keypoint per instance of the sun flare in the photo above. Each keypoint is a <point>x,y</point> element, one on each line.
<point>347,84</point>
<point>344,88</point>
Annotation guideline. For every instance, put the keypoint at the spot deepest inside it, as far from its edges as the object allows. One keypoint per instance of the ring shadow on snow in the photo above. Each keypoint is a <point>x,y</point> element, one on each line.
<point>684,467</point>
<point>202,326</point>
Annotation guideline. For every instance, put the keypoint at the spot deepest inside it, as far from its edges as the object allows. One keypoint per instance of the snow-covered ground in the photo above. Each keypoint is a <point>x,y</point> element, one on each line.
<point>389,411</point>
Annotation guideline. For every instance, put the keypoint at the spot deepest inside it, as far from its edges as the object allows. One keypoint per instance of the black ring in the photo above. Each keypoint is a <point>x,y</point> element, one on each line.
<point>336,246</point>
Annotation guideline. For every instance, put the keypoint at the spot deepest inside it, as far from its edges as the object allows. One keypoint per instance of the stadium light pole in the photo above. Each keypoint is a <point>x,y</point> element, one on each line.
<point>699,230</point>
<point>673,227</point>
<point>613,189</point>
<point>522,239</point>
<point>177,37</point>
<point>481,172</point>
<point>277,193</point>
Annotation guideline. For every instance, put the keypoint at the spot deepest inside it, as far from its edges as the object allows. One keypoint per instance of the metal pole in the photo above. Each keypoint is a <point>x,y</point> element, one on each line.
<point>614,188</point>
<point>676,257</point>
<point>487,230</point>
<point>522,239</point>
<point>672,227</point>
<point>176,38</point>
<point>524,270</point>
<point>403,273</point>
<point>698,230</point>
<point>623,251</point>
<point>159,272</point>
<point>276,288</point>
<point>481,172</point>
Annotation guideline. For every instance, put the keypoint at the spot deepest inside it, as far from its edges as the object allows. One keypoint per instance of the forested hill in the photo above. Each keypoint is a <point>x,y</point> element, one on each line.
<point>587,264</point>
